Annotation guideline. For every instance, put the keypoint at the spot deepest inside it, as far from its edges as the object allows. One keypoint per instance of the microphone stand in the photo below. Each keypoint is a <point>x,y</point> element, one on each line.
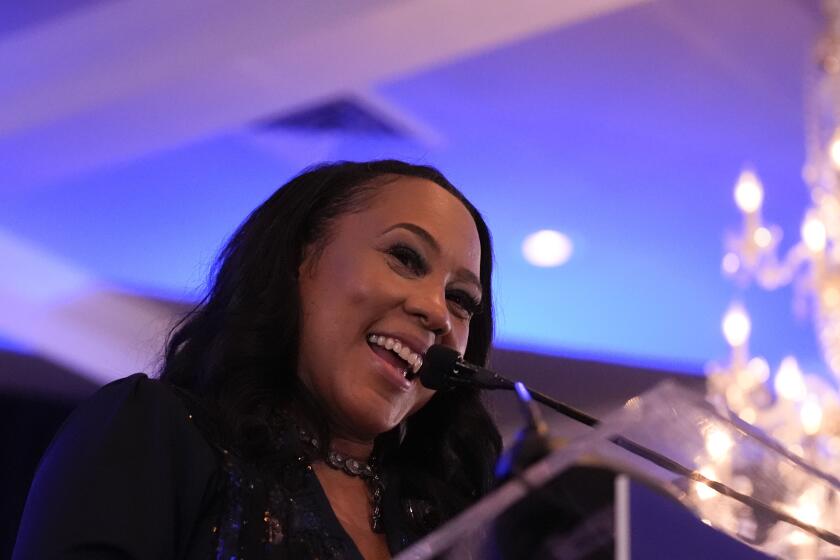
<point>532,443</point>
<point>674,467</point>
<point>563,408</point>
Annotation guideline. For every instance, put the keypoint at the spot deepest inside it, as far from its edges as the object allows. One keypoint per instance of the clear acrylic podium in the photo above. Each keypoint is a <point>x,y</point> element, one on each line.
<point>574,503</point>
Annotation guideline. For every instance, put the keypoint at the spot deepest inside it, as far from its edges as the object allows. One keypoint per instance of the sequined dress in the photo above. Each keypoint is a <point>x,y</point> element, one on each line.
<point>132,474</point>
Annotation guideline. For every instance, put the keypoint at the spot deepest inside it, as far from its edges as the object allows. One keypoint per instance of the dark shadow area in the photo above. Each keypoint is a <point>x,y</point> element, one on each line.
<point>27,425</point>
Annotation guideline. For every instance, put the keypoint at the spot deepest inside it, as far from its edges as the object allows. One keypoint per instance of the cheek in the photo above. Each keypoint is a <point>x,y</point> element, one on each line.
<point>347,289</point>
<point>360,293</point>
<point>362,281</point>
<point>423,397</point>
<point>461,335</point>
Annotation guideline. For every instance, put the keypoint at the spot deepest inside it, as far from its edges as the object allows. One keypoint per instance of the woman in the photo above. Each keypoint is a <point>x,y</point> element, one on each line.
<point>288,421</point>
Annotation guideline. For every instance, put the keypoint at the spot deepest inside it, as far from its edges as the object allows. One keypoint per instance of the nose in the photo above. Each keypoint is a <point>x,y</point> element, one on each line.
<point>430,306</point>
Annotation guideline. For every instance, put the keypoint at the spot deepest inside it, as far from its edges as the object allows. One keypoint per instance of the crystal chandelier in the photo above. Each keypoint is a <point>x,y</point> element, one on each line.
<point>800,410</point>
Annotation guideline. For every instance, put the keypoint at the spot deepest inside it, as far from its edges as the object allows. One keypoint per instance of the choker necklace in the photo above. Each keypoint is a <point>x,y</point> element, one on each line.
<point>366,470</point>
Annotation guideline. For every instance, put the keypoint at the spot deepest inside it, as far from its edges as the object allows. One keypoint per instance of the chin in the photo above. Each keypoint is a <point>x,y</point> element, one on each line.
<point>376,426</point>
<point>372,412</point>
<point>370,422</point>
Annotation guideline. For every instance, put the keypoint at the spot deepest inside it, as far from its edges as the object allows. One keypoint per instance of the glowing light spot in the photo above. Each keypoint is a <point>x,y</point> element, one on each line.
<point>813,234</point>
<point>736,325</point>
<point>633,403</point>
<point>749,194</point>
<point>755,373</point>
<point>547,248</point>
<point>705,492</point>
<point>762,237</point>
<point>759,369</point>
<point>808,509</point>
<point>811,415</point>
<point>731,263</point>
<point>789,383</point>
<point>718,443</point>
<point>834,150</point>
<point>799,537</point>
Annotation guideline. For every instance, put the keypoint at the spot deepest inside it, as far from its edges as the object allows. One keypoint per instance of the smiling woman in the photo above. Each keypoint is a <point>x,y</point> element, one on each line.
<point>385,273</point>
<point>288,421</point>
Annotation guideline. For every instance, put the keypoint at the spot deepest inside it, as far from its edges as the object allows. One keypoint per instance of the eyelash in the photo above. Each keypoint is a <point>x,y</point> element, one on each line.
<point>409,258</point>
<point>465,301</point>
<point>415,262</point>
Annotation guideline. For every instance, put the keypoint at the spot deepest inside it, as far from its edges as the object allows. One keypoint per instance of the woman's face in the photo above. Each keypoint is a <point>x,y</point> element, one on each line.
<point>403,270</point>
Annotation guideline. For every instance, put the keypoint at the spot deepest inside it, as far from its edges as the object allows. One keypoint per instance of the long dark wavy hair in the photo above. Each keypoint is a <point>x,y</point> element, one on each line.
<point>237,349</point>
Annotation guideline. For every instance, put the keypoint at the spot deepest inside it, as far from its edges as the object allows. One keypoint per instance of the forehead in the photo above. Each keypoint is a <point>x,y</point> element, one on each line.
<point>426,204</point>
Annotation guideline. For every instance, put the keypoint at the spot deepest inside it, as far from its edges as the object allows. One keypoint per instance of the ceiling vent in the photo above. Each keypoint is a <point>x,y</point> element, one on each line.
<point>349,115</point>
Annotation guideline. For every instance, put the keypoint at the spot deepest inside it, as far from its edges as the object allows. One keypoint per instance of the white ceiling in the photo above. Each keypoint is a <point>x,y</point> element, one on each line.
<point>130,147</point>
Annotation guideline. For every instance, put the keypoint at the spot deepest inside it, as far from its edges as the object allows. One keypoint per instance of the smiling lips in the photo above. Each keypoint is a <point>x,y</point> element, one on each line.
<point>412,360</point>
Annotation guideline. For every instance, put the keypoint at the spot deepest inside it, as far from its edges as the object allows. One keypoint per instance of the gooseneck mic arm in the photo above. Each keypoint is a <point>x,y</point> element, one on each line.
<point>443,368</point>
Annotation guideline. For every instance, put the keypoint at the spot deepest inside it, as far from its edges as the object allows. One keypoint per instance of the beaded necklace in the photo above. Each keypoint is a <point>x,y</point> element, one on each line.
<point>366,470</point>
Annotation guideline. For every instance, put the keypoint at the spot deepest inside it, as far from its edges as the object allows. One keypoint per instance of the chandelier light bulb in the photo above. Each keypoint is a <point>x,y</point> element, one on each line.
<point>789,382</point>
<point>808,507</point>
<point>813,233</point>
<point>736,325</point>
<point>759,369</point>
<point>749,194</point>
<point>762,237</point>
<point>730,263</point>
<point>834,150</point>
<point>547,248</point>
<point>811,415</point>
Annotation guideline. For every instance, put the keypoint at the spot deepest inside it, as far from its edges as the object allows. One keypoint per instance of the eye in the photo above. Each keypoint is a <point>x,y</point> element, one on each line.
<point>466,304</point>
<point>408,258</point>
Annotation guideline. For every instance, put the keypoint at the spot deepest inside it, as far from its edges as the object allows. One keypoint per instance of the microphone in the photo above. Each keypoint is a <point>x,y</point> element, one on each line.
<point>444,368</point>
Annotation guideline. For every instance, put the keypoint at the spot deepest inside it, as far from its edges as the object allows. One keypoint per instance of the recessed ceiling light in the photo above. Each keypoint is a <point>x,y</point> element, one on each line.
<point>547,248</point>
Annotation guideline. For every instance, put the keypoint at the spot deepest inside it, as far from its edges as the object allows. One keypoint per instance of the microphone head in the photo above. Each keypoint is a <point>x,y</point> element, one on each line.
<point>437,367</point>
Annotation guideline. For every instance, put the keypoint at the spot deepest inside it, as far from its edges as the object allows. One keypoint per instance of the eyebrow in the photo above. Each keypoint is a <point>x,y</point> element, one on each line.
<point>461,274</point>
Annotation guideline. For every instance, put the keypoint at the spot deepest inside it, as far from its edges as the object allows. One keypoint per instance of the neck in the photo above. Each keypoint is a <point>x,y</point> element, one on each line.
<point>358,448</point>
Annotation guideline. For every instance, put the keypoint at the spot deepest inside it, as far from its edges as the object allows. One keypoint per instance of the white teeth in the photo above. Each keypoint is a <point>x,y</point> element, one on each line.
<point>413,359</point>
